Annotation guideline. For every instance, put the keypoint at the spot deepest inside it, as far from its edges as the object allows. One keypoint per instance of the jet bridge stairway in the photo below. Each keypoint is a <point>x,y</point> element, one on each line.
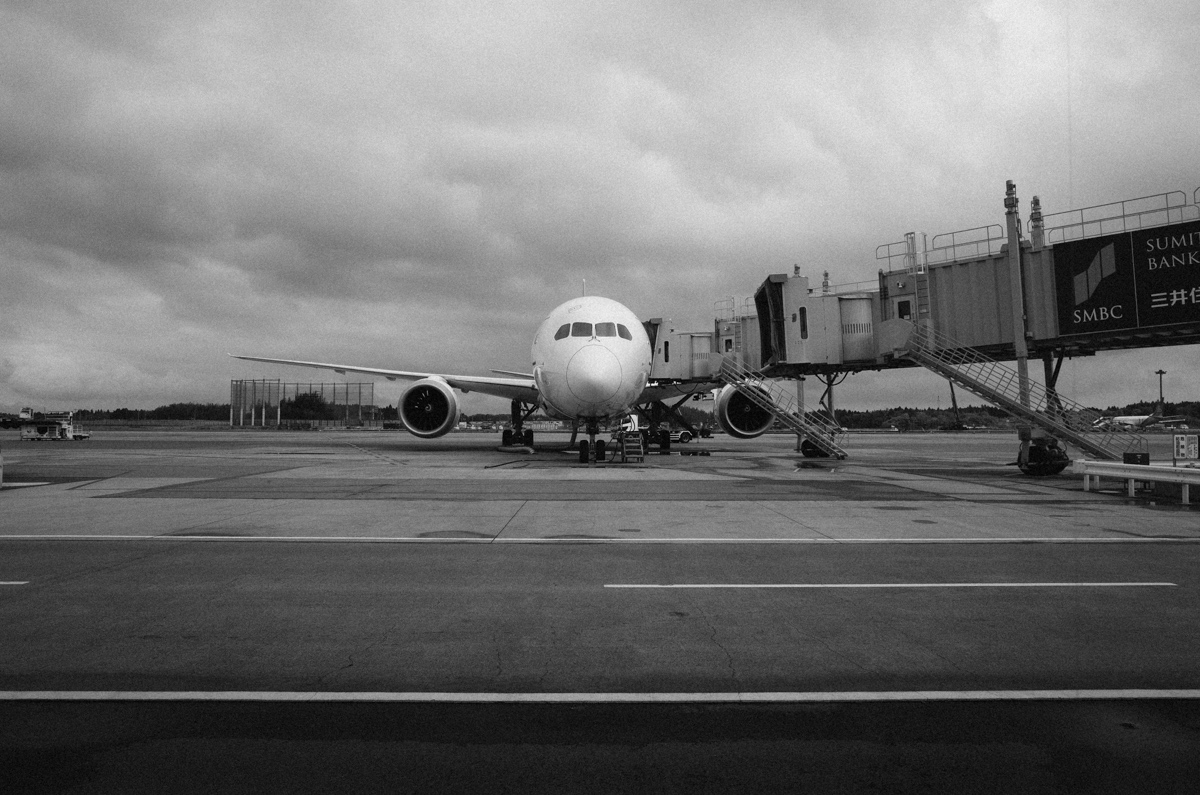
<point>999,384</point>
<point>813,428</point>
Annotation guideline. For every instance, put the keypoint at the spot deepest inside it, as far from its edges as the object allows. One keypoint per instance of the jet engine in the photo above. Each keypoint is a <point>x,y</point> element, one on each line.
<point>740,417</point>
<point>428,408</point>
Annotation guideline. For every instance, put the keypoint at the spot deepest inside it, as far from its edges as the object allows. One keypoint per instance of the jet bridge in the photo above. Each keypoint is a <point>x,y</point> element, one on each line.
<point>679,355</point>
<point>1120,275</point>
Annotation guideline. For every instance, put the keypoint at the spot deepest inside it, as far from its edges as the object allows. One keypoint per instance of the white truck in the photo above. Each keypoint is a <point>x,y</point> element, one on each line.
<point>51,426</point>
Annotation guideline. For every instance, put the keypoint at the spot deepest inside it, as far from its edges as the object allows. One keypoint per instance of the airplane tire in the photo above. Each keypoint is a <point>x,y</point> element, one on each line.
<point>664,442</point>
<point>583,451</point>
<point>527,437</point>
<point>600,451</point>
<point>506,438</point>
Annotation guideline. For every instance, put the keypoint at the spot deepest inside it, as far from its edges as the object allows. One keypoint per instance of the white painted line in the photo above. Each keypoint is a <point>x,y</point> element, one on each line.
<point>905,585</point>
<point>74,537</point>
<point>690,540</point>
<point>602,698</point>
<point>26,582</point>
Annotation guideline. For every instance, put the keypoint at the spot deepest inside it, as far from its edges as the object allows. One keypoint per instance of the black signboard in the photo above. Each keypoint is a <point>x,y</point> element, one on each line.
<point>1131,280</point>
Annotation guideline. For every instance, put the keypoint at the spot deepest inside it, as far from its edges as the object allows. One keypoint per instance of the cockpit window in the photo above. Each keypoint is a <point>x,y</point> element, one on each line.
<point>587,330</point>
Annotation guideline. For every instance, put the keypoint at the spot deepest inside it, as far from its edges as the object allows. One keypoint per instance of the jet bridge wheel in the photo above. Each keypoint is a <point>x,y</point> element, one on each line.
<point>1042,457</point>
<point>810,450</point>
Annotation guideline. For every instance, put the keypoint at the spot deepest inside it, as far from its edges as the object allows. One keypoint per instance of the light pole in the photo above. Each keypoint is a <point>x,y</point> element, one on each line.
<point>1160,374</point>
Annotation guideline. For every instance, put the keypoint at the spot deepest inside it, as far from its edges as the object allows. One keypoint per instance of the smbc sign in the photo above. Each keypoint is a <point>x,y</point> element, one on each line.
<point>1130,280</point>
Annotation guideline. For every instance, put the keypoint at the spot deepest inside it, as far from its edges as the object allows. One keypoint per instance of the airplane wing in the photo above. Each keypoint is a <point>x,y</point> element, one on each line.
<point>522,389</point>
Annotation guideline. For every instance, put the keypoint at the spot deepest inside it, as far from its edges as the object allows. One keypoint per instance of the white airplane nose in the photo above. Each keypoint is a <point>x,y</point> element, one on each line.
<point>593,374</point>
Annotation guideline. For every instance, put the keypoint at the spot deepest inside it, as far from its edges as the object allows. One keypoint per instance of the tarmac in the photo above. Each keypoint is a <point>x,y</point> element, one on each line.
<point>258,607</point>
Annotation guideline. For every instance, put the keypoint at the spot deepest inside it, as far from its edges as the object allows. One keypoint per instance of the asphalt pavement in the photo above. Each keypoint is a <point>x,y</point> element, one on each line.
<point>360,611</point>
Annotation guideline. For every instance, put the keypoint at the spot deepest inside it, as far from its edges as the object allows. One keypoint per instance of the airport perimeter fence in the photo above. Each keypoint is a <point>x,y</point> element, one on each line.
<point>271,403</point>
<point>223,425</point>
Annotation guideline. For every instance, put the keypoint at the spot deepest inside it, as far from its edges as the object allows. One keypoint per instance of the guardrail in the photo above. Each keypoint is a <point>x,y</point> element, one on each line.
<point>1122,216</point>
<point>1131,473</point>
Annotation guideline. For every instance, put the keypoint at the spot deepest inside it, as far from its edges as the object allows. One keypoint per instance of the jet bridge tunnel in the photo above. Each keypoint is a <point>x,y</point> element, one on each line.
<point>1121,275</point>
<point>1124,275</point>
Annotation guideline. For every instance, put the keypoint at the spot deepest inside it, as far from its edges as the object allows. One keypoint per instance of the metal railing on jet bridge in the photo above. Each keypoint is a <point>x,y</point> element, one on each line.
<point>769,396</point>
<point>1000,385</point>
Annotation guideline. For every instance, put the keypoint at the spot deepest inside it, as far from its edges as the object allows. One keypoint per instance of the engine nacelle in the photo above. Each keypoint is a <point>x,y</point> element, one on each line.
<point>429,409</point>
<point>739,416</point>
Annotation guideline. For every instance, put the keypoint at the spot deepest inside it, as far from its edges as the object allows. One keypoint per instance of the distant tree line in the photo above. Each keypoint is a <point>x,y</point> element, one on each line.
<point>1188,408</point>
<point>173,411</point>
<point>311,406</point>
<point>914,419</point>
<point>306,406</point>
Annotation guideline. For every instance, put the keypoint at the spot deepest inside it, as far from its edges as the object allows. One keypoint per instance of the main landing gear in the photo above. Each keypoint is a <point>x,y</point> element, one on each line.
<point>591,449</point>
<point>518,435</point>
<point>515,438</point>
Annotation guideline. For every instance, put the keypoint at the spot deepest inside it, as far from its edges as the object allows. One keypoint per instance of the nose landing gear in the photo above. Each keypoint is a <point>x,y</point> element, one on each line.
<point>591,449</point>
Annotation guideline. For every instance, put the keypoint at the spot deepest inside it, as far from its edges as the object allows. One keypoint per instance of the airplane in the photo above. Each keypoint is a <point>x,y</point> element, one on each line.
<point>591,360</point>
<point>1133,422</point>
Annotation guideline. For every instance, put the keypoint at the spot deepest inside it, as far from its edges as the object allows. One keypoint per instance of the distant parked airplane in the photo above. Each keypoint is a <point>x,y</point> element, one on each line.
<point>1133,422</point>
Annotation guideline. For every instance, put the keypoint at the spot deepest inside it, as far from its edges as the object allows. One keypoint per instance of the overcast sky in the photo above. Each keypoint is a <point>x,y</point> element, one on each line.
<point>415,184</point>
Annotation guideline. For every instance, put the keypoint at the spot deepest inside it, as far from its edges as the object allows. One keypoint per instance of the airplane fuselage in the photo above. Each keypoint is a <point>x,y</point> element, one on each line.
<point>1135,420</point>
<point>591,359</point>
<point>1129,422</point>
<point>591,362</point>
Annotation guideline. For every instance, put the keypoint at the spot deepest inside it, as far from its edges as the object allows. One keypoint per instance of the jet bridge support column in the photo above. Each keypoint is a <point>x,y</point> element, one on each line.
<point>806,446</point>
<point>827,396</point>
<point>799,408</point>
<point>1051,370</point>
<point>1017,287</point>
<point>1038,450</point>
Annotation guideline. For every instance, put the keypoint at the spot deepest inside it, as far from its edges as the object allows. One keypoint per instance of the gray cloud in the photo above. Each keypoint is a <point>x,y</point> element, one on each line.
<point>415,184</point>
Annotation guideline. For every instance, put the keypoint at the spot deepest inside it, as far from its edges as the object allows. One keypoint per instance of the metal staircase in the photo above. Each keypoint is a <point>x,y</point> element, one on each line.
<point>814,428</point>
<point>999,384</point>
<point>629,447</point>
